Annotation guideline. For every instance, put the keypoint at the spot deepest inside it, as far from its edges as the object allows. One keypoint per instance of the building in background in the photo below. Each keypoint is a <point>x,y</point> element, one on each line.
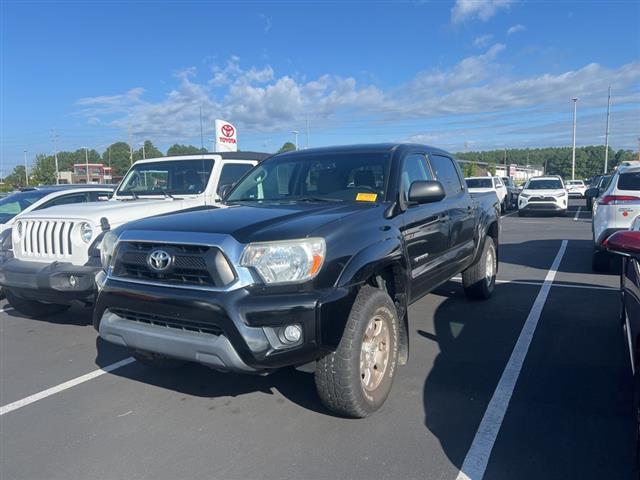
<point>519,173</point>
<point>98,173</point>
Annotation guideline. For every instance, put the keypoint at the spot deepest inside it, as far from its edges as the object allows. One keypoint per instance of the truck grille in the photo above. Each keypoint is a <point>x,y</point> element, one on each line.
<point>542,199</point>
<point>168,322</point>
<point>44,238</point>
<point>191,265</point>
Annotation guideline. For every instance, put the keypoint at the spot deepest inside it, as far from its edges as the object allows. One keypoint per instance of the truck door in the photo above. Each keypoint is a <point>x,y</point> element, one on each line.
<point>425,228</point>
<point>461,211</point>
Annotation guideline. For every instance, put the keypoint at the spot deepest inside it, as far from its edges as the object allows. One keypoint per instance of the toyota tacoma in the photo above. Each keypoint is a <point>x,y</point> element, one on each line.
<point>313,264</point>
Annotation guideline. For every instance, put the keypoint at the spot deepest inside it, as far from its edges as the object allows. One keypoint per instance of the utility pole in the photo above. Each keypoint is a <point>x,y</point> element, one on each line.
<point>307,132</point>
<point>506,172</point>
<point>213,144</point>
<point>55,155</point>
<point>573,154</point>
<point>144,155</point>
<point>606,134</point>
<point>295,132</point>
<point>130,148</point>
<point>86,161</point>
<point>26,170</point>
<point>201,131</point>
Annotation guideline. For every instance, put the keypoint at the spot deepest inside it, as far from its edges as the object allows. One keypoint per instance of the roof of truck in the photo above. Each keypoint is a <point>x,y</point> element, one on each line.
<point>255,156</point>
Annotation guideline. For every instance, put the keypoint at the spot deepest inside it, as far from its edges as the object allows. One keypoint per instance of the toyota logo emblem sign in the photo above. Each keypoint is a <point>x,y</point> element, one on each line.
<point>228,130</point>
<point>159,260</point>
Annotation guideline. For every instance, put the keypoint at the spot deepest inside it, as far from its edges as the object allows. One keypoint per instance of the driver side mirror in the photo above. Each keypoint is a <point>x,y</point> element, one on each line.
<point>426,191</point>
<point>592,192</point>
<point>624,242</point>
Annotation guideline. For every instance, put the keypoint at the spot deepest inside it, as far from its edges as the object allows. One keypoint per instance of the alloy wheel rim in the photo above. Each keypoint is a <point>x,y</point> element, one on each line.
<point>374,353</point>
<point>489,267</point>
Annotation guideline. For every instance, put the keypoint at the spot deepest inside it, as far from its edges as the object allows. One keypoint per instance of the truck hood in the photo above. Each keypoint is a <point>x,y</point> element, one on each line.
<point>544,193</point>
<point>255,223</point>
<point>116,212</point>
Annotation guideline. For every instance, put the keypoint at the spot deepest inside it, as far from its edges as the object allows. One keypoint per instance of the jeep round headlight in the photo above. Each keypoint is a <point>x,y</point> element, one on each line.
<point>107,246</point>
<point>290,261</point>
<point>86,232</point>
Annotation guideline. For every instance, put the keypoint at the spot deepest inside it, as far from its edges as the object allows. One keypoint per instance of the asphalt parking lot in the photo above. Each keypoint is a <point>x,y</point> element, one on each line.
<point>534,383</point>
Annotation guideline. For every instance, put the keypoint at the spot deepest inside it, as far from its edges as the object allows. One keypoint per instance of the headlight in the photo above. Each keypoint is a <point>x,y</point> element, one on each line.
<point>86,232</point>
<point>524,195</point>
<point>19,228</point>
<point>107,246</point>
<point>287,261</point>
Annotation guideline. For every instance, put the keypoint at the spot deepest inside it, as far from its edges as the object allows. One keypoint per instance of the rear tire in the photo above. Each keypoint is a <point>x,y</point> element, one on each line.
<point>355,380</point>
<point>479,279</point>
<point>33,308</point>
<point>156,360</point>
<point>600,261</point>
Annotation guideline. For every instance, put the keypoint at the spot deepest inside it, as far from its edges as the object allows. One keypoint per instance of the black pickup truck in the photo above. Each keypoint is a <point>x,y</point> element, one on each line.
<point>312,261</point>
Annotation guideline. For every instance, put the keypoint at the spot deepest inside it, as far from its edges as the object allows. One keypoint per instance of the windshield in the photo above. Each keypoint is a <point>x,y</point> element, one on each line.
<point>479,183</point>
<point>317,177</point>
<point>15,203</point>
<point>180,177</point>
<point>550,184</point>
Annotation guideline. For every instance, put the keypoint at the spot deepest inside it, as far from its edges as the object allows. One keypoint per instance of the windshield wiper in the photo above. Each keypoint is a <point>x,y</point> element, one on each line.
<point>311,198</point>
<point>166,194</point>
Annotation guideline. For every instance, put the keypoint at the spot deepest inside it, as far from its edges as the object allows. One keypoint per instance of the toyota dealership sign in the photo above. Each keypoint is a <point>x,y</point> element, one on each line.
<point>226,137</point>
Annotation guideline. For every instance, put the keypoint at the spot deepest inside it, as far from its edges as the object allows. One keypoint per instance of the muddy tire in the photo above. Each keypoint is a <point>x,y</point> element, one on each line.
<point>479,279</point>
<point>33,308</point>
<point>355,380</point>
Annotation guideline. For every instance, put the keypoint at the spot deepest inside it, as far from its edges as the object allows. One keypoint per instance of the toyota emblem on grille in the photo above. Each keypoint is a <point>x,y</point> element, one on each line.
<point>159,260</point>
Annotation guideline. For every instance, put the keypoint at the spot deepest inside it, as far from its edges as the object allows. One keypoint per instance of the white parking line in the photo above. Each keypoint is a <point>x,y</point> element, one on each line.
<point>64,386</point>
<point>577,214</point>
<point>477,458</point>
<point>6,309</point>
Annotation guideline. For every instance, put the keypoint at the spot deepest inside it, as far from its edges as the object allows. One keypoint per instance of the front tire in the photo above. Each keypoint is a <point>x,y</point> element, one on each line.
<point>479,279</point>
<point>355,380</point>
<point>33,308</point>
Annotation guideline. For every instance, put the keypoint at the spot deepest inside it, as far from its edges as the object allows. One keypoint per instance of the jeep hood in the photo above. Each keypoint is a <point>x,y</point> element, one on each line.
<point>116,212</point>
<point>255,223</point>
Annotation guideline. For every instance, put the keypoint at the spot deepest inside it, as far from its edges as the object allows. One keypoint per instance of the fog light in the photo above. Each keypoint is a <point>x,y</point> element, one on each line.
<point>292,333</point>
<point>73,281</point>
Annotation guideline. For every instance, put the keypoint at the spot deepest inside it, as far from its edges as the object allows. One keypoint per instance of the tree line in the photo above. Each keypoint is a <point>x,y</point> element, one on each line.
<point>555,161</point>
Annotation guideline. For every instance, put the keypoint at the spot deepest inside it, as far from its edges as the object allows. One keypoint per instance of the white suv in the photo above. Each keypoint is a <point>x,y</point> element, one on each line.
<point>615,210</point>
<point>489,184</point>
<point>543,194</point>
<point>576,188</point>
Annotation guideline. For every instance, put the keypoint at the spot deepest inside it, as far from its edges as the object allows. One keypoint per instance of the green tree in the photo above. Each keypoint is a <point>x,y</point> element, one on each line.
<point>16,177</point>
<point>150,151</point>
<point>492,167</point>
<point>178,149</point>
<point>287,147</point>
<point>118,156</point>
<point>43,170</point>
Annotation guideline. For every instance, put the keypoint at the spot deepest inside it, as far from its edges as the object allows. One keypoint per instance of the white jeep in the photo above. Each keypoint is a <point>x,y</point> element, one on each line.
<point>56,251</point>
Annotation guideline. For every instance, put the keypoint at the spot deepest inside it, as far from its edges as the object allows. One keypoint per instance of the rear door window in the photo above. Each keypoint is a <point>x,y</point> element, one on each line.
<point>447,174</point>
<point>629,181</point>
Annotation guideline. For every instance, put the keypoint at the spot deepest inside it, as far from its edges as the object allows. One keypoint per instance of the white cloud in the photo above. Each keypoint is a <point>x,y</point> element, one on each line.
<point>516,28</point>
<point>482,9</point>
<point>482,41</point>
<point>469,91</point>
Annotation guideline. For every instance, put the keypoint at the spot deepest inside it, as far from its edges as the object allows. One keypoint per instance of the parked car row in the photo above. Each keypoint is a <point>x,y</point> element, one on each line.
<point>310,259</point>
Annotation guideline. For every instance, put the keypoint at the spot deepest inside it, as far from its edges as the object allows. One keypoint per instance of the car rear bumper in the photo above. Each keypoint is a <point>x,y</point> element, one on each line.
<point>57,282</point>
<point>237,330</point>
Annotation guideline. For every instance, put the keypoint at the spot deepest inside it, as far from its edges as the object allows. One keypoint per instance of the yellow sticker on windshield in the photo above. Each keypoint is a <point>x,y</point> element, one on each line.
<point>366,197</point>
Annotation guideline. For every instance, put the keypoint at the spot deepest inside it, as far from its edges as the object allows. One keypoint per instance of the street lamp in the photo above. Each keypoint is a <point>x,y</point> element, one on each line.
<point>295,132</point>
<point>86,161</point>
<point>573,154</point>
<point>26,170</point>
<point>144,155</point>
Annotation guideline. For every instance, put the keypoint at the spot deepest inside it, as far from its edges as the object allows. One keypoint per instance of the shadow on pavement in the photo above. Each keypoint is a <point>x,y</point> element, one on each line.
<point>200,381</point>
<point>76,315</point>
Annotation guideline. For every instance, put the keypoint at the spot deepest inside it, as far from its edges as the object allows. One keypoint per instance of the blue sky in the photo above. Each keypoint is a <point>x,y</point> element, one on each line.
<point>459,74</point>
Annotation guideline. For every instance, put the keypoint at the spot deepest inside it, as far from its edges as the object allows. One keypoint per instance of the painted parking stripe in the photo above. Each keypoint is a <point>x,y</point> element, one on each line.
<point>577,214</point>
<point>477,458</point>
<point>6,309</point>
<point>64,386</point>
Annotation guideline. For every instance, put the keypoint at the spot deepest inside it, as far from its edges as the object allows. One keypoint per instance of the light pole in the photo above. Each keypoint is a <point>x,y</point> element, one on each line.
<point>573,153</point>
<point>295,132</point>
<point>26,170</point>
<point>86,161</point>
<point>606,134</point>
